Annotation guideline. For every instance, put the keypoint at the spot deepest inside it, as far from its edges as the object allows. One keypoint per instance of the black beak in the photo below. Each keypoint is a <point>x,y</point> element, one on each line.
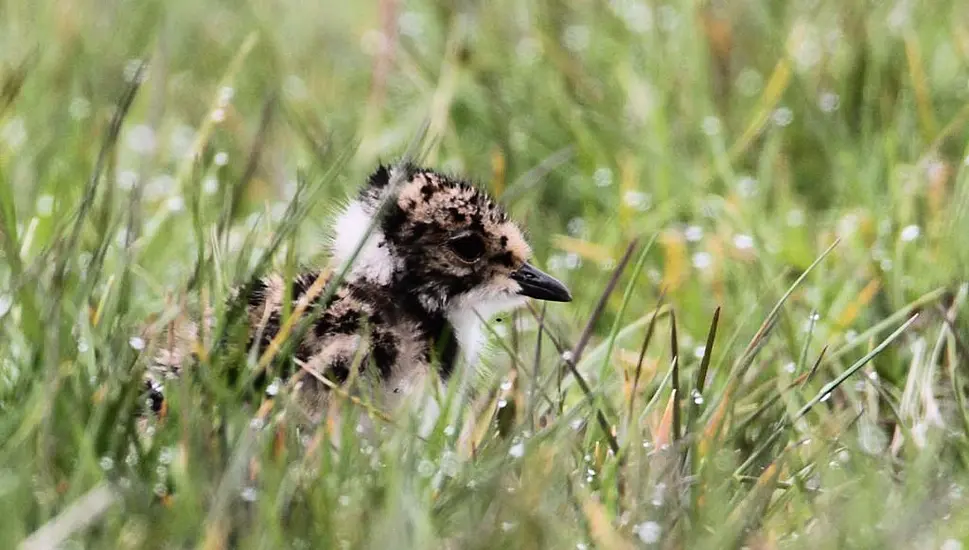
<point>537,284</point>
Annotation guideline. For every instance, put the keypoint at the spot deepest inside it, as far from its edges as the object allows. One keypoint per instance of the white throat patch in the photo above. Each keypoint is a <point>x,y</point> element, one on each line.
<point>468,314</point>
<point>374,263</point>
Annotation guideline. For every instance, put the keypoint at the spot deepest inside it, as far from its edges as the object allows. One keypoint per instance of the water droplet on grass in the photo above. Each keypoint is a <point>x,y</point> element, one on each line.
<point>79,109</point>
<point>45,205</point>
<point>649,532</point>
<point>225,95</point>
<point>702,260</point>
<point>697,398</point>
<point>602,177</point>
<point>694,233</point>
<point>637,199</point>
<point>425,468</point>
<point>782,116</point>
<point>910,233</point>
<point>711,125</point>
<point>829,102</point>
<point>175,204</point>
<point>743,242</point>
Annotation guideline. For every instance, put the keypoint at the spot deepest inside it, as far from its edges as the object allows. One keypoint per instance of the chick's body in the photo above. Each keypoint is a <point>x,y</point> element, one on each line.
<point>426,259</point>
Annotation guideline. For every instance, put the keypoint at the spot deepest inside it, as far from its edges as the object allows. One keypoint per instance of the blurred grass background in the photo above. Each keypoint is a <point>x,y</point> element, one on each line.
<point>739,139</point>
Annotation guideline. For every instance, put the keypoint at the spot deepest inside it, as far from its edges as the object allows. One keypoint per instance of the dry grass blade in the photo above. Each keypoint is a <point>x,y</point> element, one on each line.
<point>82,513</point>
<point>276,343</point>
<point>948,318</point>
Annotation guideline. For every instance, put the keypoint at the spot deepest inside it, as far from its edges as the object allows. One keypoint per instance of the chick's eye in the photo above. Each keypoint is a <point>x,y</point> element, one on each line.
<point>467,248</point>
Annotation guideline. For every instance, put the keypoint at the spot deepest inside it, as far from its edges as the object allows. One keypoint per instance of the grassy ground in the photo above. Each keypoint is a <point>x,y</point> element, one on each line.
<point>154,153</point>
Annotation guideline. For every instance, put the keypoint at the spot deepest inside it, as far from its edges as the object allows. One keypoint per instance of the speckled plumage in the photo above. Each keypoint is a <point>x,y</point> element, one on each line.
<point>442,256</point>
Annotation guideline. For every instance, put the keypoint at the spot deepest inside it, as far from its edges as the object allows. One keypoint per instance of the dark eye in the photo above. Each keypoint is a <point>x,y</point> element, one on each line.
<point>468,248</point>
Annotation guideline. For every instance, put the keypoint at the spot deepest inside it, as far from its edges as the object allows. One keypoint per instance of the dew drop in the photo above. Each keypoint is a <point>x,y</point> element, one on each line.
<point>829,102</point>
<point>602,177</point>
<point>175,204</point>
<point>45,205</point>
<point>165,455</point>
<point>637,199</point>
<point>743,242</point>
<point>702,260</point>
<point>425,468</point>
<point>225,95</point>
<point>711,125</point>
<point>210,185</point>
<point>248,494</point>
<point>141,139</point>
<point>79,109</point>
<point>694,233</point>
<point>910,233</point>
<point>697,397</point>
<point>649,532</point>
<point>782,116</point>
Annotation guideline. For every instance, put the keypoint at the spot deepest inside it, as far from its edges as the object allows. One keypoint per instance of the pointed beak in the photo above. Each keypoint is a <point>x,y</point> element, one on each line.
<point>537,284</point>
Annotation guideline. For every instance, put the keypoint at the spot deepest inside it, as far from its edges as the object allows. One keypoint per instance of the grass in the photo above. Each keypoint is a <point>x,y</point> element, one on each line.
<point>762,209</point>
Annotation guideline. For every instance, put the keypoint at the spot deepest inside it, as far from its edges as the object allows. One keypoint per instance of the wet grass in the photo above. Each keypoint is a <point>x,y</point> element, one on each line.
<point>762,210</point>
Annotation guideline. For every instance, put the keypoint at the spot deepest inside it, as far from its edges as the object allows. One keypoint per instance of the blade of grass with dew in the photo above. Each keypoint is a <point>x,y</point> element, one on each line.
<point>718,413</point>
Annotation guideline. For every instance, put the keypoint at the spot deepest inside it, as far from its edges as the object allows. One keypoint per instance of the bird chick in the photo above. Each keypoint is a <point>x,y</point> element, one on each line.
<point>440,257</point>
